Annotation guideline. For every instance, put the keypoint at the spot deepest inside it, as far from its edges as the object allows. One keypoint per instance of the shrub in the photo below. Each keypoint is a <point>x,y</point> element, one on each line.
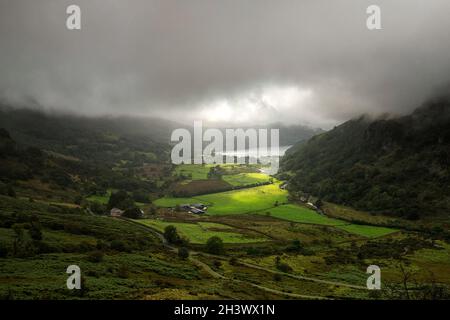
<point>171,234</point>
<point>123,271</point>
<point>3,250</point>
<point>95,256</point>
<point>120,245</point>
<point>283,267</point>
<point>214,245</point>
<point>277,277</point>
<point>133,213</point>
<point>183,253</point>
<point>35,231</point>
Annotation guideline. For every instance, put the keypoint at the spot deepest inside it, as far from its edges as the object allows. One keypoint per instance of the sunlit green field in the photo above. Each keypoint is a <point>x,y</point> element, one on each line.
<point>194,171</point>
<point>236,201</point>
<point>244,179</point>
<point>200,232</point>
<point>300,214</point>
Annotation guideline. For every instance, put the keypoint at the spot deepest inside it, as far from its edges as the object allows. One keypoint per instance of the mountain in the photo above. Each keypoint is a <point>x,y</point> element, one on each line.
<point>398,166</point>
<point>105,139</point>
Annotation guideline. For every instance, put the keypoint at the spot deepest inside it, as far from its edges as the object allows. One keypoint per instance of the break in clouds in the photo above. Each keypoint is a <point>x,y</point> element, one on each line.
<point>236,61</point>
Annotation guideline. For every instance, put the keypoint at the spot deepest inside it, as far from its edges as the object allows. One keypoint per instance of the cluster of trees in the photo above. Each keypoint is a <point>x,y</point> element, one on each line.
<point>390,166</point>
<point>214,245</point>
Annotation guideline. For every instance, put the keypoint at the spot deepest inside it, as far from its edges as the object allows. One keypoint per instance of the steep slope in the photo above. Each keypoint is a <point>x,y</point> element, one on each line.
<point>394,166</point>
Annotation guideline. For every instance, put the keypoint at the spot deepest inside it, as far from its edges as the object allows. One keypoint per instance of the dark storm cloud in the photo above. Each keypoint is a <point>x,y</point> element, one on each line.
<point>295,61</point>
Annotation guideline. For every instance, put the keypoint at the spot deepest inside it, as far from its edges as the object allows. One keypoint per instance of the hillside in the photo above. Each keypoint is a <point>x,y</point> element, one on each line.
<point>397,166</point>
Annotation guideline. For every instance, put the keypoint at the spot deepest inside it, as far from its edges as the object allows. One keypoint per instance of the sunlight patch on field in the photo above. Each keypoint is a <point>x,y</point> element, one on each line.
<point>243,179</point>
<point>234,202</point>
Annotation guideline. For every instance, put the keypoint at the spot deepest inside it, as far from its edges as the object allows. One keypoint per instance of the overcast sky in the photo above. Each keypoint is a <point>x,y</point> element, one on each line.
<point>243,61</point>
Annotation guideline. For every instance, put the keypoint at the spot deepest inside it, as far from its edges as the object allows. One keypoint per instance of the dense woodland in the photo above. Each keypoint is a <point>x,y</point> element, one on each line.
<point>396,166</point>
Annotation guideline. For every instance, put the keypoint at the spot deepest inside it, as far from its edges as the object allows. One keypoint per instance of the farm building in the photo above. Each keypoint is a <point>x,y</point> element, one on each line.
<point>200,206</point>
<point>186,207</point>
<point>115,212</point>
<point>196,211</point>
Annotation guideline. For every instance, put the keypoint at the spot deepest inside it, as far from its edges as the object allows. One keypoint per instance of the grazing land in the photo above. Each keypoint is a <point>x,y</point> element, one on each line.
<point>235,201</point>
<point>300,214</point>
<point>55,212</point>
<point>243,179</point>
<point>200,232</point>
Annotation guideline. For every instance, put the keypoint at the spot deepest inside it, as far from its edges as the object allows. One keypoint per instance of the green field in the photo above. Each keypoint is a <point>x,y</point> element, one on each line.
<point>168,202</point>
<point>234,202</point>
<point>243,179</point>
<point>103,199</point>
<point>299,214</point>
<point>199,233</point>
<point>194,171</point>
<point>367,231</point>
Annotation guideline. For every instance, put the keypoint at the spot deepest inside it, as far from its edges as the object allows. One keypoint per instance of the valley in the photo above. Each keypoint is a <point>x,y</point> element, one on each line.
<point>129,223</point>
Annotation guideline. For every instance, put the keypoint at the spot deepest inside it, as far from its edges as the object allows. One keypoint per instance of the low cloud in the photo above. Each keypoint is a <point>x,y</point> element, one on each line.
<point>251,61</point>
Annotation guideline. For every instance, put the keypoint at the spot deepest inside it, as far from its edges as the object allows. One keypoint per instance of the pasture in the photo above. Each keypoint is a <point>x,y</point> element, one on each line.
<point>200,232</point>
<point>235,201</point>
<point>300,214</point>
<point>366,230</point>
<point>244,179</point>
<point>193,171</point>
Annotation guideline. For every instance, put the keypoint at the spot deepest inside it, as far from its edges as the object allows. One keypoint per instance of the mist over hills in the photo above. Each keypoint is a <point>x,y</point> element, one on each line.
<point>397,166</point>
<point>55,131</point>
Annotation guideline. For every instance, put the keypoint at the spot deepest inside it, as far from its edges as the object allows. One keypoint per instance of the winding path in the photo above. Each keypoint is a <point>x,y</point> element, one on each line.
<point>217,275</point>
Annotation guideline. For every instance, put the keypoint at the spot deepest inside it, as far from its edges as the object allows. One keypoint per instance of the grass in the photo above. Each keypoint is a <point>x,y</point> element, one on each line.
<point>234,202</point>
<point>367,231</point>
<point>243,179</point>
<point>199,233</point>
<point>168,202</point>
<point>195,171</point>
<point>299,214</point>
<point>103,199</point>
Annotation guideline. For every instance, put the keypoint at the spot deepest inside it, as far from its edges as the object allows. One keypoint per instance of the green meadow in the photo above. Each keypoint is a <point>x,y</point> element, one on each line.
<point>102,199</point>
<point>243,179</point>
<point>193,171</point>
<point>234,202</point>
<point>200,232</point>
<point>366,230</point>
<point>300,214</point>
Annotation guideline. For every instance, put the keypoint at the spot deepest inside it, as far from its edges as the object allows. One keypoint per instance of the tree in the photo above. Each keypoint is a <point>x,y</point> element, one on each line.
<point>18,238</point>
<point>35,231</point>
<point>11,192</point>
<point>133,213</point>
<point>141,196</point>
<point>214,245</point>
<point>171,234</point>
<point>97,208</point>
<point>183,253</point>
<point>121,200</point>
